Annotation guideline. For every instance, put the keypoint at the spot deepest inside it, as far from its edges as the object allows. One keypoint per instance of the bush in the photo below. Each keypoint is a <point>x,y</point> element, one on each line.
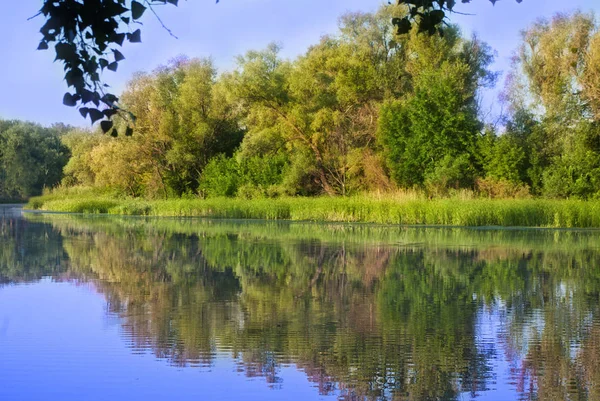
<point>449,173</point>
<point>220,177</point>
<point>501,189</point>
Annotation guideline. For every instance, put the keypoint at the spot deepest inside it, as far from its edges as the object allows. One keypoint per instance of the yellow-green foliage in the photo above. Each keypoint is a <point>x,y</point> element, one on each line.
<point>383,210</point>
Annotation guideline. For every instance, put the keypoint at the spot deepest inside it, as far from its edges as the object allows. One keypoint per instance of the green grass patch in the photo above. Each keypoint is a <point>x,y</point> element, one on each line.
<point>448,212</point>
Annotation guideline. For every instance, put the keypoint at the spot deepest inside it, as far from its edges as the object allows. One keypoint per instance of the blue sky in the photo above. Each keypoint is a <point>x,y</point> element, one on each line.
<point>31,86</point>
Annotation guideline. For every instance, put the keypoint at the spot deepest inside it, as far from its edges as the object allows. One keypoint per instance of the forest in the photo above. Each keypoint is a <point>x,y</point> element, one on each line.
<point>363,111</point>
<point>32,158</point>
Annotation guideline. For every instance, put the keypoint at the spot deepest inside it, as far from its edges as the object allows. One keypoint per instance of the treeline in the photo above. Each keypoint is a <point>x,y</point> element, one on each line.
<point>363,110</point>
<point>32,158</point>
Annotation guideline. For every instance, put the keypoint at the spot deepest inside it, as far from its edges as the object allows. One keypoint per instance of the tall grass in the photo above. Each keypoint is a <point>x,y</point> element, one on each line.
<point>410,210</point>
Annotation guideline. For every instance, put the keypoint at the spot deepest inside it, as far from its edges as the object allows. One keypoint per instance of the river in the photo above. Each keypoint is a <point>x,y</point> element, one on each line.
<point>114,308</point>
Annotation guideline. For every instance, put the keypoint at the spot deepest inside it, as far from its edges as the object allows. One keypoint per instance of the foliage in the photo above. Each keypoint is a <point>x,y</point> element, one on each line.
<point>364,110</point>
<point>553,134</point>
<point>501,189</point>
<point>450,173</point>
<point>428,15</point>
<point>31,159</point>
<point>87,36</point>
<point>183,120</point>
<point>438,120</point>
<point>325,104</point>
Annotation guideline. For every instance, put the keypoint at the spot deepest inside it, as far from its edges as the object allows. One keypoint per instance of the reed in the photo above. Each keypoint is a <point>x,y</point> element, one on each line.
<point>366,209</point>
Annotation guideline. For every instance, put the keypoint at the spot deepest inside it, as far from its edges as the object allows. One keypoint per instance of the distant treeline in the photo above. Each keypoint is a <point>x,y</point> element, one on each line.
<point>31,158</point>
<point>364,110</point>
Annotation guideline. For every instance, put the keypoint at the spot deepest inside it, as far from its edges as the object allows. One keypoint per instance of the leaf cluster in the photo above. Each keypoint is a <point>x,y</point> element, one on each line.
<point>428,15</point>
<point>87,37</point>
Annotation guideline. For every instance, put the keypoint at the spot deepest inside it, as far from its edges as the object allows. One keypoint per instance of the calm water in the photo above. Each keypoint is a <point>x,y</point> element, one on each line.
<point>97,308</point>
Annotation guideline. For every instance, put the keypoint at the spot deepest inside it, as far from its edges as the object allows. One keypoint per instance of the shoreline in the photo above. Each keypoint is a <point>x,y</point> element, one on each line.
<point>503,213</point>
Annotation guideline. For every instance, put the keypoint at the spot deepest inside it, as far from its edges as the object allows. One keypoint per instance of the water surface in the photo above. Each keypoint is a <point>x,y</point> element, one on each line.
<point>99,308</point>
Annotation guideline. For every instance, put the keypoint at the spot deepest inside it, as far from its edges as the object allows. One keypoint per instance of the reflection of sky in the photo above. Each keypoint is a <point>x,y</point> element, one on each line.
<point>59,346</point>
<point>490,327</point>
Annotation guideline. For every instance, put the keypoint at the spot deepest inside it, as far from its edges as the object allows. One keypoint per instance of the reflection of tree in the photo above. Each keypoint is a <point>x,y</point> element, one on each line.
<point>28,251</point>
<point>553,328</point>
<point>362,319</point>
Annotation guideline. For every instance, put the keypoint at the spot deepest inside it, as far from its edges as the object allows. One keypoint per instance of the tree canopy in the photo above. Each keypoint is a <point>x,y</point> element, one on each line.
<point>31,158</point>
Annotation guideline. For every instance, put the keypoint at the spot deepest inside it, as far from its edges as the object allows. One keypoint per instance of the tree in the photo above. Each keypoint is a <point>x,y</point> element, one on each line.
<point>554,82</point>
<point>437,120</point>
<point>31,159</point>
<point>183,120</point>
<point>324,105</point>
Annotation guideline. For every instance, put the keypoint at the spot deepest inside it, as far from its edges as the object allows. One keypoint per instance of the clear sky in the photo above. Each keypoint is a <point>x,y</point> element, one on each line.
<point>32,87</point>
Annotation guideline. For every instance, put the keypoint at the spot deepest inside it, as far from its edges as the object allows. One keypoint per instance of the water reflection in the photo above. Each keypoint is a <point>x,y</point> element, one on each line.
<point>377,313</point>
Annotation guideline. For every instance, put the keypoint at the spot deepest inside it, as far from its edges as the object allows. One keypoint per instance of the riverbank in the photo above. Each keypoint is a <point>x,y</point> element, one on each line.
<point>451,212</point>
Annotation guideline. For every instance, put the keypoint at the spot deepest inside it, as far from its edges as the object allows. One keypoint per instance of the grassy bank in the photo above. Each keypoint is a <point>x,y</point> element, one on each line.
<point>454,212</point>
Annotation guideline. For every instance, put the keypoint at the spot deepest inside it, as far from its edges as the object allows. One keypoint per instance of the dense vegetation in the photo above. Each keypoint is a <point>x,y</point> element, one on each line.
<point>387,210</point>
<point>361,111</point>
<point>31,158</point>
<point>365,111</point>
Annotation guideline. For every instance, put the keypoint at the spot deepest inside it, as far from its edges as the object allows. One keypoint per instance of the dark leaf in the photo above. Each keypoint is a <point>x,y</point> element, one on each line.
<point>65,51</point>
<point>137,9</point>
<point>118,55</point>
<point>106,125</point>
<point>109,98</point>
<point>95,115</point>
<point>114,133</point>
<point>88,96</point>
<point>437,16</point>
<point>69,100</point>
<point>74,78</point>
<point>403,25</point>
<point>113,66</point>
<point>117,38</point>
<point>135,37</point>
<point>83,111</point>
<point>129,131</point>
<point>110,112</point>
<point>43,46</point>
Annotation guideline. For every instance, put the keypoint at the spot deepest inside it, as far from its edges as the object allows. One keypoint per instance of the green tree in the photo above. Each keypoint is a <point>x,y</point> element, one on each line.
<point>438,118</point>
<point>31,159</point>
<point>183,120</point>
<point>323,107</point>
<point>553,81</point>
